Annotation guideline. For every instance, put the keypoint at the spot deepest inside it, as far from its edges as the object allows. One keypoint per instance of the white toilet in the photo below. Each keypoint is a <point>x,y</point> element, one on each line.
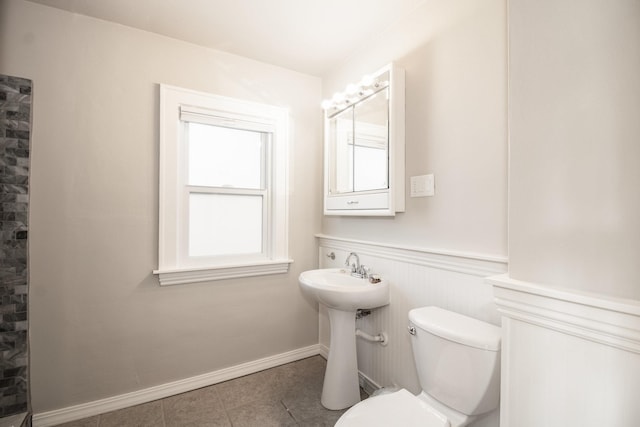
<point>458,364</point>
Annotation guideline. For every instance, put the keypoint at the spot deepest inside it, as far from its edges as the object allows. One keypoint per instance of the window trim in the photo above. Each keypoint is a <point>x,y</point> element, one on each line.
<point>177,103</point>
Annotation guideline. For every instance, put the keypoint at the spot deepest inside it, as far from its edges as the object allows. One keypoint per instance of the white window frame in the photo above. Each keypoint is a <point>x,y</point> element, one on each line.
<point>178,105</point>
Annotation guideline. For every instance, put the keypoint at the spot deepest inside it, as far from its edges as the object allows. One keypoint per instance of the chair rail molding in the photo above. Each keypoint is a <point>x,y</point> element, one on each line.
<point>481,265</point>
<point>610,321</point>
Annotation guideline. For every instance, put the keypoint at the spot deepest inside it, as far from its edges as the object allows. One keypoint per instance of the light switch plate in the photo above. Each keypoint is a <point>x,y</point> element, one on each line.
<point>422,186</point>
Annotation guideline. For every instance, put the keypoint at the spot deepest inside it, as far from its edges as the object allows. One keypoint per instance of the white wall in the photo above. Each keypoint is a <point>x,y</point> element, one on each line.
<point>100,323</point>
<point>454,54</point>
<point>574,213</point>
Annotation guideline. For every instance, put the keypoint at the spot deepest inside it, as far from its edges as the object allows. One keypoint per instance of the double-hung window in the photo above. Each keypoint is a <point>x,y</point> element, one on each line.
<point>223,183</point>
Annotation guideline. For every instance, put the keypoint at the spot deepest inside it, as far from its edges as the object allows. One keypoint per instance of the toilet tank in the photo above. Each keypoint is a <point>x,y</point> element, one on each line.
<point>457,358</point>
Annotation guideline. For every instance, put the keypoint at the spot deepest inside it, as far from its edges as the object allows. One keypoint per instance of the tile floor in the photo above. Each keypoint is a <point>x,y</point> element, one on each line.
<point>288,395</point>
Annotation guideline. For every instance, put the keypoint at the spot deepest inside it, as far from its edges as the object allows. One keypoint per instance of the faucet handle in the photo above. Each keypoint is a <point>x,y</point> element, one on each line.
<point>364,271</point>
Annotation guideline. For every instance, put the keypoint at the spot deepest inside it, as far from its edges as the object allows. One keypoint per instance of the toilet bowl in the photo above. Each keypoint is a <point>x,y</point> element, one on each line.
<point>458,364</point>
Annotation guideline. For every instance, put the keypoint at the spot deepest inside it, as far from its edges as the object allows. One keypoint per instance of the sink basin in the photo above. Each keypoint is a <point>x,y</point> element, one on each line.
<point>337,289</point>
<point>343,294</point>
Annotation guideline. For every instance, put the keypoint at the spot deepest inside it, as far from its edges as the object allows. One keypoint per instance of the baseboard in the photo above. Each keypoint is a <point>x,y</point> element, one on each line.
<point>324,351</point>
<point>113,403</point>
<point>367,383</point>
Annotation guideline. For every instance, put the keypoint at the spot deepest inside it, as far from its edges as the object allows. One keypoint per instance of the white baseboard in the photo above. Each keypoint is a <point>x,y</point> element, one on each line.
<point>113,403</point>
<point>324,351</point>
<point>367,383</point>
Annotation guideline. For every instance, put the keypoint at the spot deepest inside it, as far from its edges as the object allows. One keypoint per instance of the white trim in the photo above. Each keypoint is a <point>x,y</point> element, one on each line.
<point>505,371</point>
<point>610,321</point>
<point>173,266</point>
<point>324,350</point>
<point>367,384</point>
<point>101,406</point>
<point>461,262</point>
<point>195,275</point>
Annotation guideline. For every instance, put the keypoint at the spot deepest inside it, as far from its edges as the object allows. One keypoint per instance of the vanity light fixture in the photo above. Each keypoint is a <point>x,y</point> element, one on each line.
<point>353,93</point>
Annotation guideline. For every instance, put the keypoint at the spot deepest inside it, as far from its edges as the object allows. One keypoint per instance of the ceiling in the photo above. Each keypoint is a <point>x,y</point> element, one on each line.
<point>309,36</point>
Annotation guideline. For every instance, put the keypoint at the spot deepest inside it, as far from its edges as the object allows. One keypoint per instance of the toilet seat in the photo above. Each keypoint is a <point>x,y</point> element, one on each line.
<point>400,408</point>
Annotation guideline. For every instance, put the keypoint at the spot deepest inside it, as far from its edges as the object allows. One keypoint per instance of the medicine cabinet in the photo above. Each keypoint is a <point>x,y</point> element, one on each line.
<point>364,147</point>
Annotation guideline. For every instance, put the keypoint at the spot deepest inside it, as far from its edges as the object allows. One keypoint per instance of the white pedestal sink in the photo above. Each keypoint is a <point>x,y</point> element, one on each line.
<point>343,294</point>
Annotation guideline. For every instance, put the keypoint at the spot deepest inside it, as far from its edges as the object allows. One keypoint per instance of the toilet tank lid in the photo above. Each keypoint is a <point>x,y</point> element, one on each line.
<point>457,328</point>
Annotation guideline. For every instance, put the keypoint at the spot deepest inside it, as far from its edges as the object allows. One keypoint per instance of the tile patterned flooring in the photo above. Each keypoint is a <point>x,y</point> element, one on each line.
<point>288,395</point>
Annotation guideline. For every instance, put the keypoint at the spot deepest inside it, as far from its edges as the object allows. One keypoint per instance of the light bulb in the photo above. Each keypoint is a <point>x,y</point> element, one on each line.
<point>338,97</point>
<point>366,81</point>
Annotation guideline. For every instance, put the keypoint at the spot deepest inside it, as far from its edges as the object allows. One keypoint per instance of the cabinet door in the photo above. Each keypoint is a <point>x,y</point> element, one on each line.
<point>340,141</point>
<point>370,146</point>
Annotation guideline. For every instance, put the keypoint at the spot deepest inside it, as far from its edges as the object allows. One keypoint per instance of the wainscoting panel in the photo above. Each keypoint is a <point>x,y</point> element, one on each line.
<point>568,358</point>
<point>418,277</point>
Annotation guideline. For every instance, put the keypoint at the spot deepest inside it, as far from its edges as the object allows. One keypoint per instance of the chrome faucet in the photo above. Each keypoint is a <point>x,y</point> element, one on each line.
<point>357,270</point>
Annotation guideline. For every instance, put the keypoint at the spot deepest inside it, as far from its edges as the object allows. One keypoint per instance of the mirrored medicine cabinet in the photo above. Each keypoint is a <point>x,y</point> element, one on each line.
<point>364,147</point>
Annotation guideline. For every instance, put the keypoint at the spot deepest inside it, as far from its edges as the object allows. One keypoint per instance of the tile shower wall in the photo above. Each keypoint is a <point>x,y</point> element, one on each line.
<point>15,125</point>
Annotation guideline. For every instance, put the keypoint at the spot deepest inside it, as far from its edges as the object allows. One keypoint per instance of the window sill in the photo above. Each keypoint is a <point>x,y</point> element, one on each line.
<point>206,274</point>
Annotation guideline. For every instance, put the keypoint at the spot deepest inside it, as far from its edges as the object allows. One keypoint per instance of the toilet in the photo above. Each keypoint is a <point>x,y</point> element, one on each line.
<point>458,364</point>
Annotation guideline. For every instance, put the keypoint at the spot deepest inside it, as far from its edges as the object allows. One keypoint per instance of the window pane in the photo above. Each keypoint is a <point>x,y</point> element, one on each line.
<point>224,157</point>
<point>221,224</point>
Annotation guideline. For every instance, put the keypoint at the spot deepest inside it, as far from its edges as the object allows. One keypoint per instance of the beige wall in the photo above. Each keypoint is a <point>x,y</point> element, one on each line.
<point>574,177</point>
<point>100,323</point>
<point>454,55</point>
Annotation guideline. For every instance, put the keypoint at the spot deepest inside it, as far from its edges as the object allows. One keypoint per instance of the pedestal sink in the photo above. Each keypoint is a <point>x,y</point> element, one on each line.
<point>343,294</point>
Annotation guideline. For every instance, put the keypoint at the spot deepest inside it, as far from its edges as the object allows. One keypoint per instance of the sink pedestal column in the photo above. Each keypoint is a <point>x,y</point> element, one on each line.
<point>341,387</point>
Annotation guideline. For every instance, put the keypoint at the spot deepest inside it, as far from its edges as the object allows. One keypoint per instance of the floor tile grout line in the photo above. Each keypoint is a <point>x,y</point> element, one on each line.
<point>289,412</point>
<point>224,407</point>
<point>164,422</point>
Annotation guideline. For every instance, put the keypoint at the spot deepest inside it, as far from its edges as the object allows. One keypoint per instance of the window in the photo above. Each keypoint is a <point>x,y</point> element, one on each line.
<point>223,183</point>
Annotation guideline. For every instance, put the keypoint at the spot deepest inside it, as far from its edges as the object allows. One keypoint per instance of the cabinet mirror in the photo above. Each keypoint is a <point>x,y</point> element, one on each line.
<point>364,148</point>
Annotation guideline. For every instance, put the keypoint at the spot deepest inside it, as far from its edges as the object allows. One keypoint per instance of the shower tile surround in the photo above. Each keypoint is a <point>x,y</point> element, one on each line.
<point>15,129</point>
<point>287,395</point>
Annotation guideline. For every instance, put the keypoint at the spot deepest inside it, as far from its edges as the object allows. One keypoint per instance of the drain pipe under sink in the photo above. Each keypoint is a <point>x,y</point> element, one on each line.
<point>381,338</point>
